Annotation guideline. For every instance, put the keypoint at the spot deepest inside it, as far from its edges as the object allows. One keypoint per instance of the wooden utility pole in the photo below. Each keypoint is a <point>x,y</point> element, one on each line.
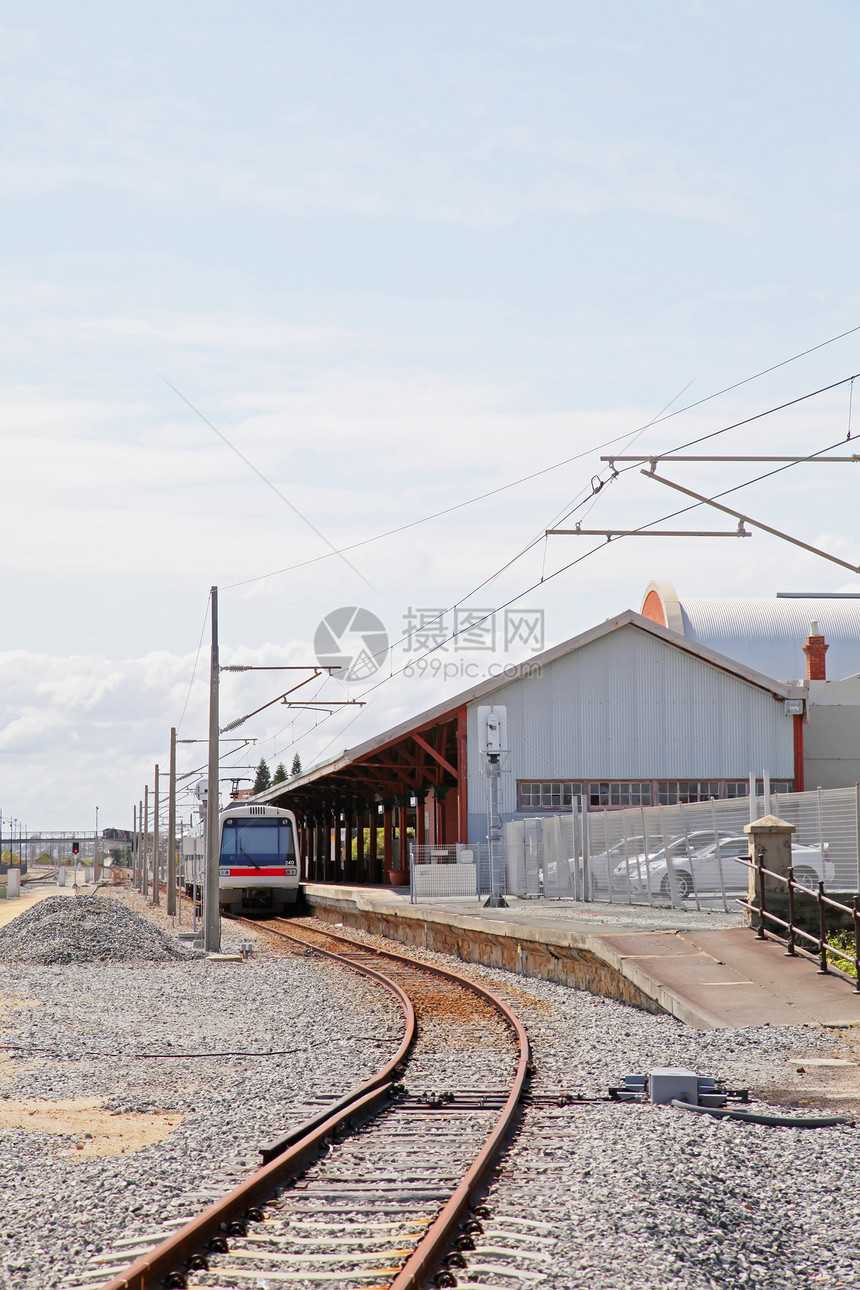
<point>171,828</point>
<point>156,898</point>
<point>212,912</point>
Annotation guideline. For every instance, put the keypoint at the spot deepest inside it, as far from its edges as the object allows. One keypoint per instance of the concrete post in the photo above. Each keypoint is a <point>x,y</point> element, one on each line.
<point>769,838</point>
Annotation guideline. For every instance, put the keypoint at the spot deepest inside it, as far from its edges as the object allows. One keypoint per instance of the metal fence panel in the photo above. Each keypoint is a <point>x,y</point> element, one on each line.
<point>515,858</point>
<point>442,871</point>
<point>655,855</point>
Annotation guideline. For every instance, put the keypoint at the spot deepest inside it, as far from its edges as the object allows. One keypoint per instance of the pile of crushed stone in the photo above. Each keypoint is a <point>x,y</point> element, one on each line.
<point>86,929</point>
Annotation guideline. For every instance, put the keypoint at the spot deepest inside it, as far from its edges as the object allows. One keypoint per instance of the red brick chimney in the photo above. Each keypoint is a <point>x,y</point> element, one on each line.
<point>815,648</point>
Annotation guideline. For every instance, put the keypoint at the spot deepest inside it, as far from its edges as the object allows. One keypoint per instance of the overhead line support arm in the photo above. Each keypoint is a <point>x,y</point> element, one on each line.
<point>727,510</point>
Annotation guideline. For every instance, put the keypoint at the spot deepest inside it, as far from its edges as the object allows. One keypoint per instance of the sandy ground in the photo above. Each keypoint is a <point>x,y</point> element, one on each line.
<point>97,1131</point>
<point>10,909</point>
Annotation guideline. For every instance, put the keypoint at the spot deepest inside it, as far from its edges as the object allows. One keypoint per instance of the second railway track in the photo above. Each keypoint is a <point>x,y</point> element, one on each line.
<point>379,1188</point>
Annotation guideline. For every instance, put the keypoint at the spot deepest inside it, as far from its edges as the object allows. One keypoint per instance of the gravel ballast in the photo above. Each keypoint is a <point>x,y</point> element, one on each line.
<point>635,1196</point>
<point>644,1197</point>
<point>86,929</point>
<point>227,1054</point>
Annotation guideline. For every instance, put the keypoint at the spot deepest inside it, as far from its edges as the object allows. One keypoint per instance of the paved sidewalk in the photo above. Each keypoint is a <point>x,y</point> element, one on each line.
<point>703,967</point>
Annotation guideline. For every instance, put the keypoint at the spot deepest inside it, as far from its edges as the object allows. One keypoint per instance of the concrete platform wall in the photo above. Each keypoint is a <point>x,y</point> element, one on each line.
<point>491,946</point>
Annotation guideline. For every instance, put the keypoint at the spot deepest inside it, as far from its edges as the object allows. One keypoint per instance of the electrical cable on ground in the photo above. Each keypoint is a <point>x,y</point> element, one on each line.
<point>755,1117</point>
<point>129,1056</point>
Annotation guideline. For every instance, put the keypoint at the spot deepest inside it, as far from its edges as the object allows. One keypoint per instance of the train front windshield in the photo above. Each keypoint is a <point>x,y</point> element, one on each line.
<point>264,843</point>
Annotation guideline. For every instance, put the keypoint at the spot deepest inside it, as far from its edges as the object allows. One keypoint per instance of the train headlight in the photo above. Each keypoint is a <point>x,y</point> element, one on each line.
<point>223,873</point>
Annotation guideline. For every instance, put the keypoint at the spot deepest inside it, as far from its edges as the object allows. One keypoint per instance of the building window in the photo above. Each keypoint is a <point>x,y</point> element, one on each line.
<point>620,793</point>
<point>552,795</point>
<point>670,792</point>
<point>546,794</point>
<point>741,787</point>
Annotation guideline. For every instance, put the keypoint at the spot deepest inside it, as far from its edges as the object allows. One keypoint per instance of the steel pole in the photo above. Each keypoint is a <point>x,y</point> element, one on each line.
<point>171,828</point>
<point>139,883</point>
<point>145,868</point>
<point>212,918</point>
<point>156,899</point>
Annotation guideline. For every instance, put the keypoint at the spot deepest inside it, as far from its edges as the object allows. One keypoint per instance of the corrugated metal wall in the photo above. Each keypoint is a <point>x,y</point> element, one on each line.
<point>630,706</point>
<point>769,634</point>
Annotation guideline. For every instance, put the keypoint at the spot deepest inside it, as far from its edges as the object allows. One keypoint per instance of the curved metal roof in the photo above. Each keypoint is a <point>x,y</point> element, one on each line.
<point>768,634</point>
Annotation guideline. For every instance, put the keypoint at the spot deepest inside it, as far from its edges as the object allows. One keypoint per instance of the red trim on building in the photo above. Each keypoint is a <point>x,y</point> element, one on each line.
<point>798,753</point>
<point>462,781</point>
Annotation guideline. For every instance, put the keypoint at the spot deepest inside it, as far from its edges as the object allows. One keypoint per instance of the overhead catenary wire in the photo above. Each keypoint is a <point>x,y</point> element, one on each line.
<point>310,524</point>
<point>597,486</point>
<point>663,415</point>
<point>757,416</point>
<point>194,669</point>
<point>592,495</point>
<point>586,555</point>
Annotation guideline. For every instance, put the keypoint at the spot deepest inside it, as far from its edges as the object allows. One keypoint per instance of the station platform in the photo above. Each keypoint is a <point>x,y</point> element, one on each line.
<point>704,968</point>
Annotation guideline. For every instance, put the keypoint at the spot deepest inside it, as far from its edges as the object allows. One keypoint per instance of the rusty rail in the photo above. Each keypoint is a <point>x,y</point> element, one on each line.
<point>793,931</point>
<point>167,1263</point>
<point>434,1244</point>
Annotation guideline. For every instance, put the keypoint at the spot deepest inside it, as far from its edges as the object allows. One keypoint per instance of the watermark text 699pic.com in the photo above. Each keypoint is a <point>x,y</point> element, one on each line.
<point>467,630</point>
<point>355,642</point>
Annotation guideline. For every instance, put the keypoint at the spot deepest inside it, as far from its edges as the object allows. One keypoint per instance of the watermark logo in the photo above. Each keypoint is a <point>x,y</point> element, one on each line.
<point>467,629</point>
<point>352,639</point>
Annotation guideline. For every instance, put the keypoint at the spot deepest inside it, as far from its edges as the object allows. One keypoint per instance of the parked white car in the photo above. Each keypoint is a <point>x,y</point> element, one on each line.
<point>633,868</point>
<point>714,868</point>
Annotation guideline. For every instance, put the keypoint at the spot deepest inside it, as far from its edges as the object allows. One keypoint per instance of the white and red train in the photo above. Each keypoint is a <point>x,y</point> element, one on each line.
<point>258,865</point>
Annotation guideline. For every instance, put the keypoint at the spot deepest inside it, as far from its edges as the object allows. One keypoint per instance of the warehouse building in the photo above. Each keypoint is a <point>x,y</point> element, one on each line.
<point>765,633</point>
<point>792,634</point>
<point>629,713</point>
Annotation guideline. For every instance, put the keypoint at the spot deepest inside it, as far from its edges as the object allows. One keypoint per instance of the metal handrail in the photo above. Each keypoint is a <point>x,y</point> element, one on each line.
<point>821,948</point>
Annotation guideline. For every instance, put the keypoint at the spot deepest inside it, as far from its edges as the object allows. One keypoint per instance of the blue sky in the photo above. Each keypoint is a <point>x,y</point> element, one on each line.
<point>398,259</point>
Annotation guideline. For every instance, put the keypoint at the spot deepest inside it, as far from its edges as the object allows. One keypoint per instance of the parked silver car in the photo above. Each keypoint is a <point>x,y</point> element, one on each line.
<point>714,868</point>
<point>633,869</point>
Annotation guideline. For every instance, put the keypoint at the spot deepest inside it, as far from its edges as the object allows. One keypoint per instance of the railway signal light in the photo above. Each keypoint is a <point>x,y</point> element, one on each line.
<point>76,847</point>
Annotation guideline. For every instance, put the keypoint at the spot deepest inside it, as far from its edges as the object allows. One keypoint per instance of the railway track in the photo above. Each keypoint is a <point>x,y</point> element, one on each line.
<point>378,1189</point>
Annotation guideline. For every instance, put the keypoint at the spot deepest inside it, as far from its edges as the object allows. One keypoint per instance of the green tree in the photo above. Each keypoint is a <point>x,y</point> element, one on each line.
<point>280,774</point>
<point>296,768</point>
<point>264,778</point>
